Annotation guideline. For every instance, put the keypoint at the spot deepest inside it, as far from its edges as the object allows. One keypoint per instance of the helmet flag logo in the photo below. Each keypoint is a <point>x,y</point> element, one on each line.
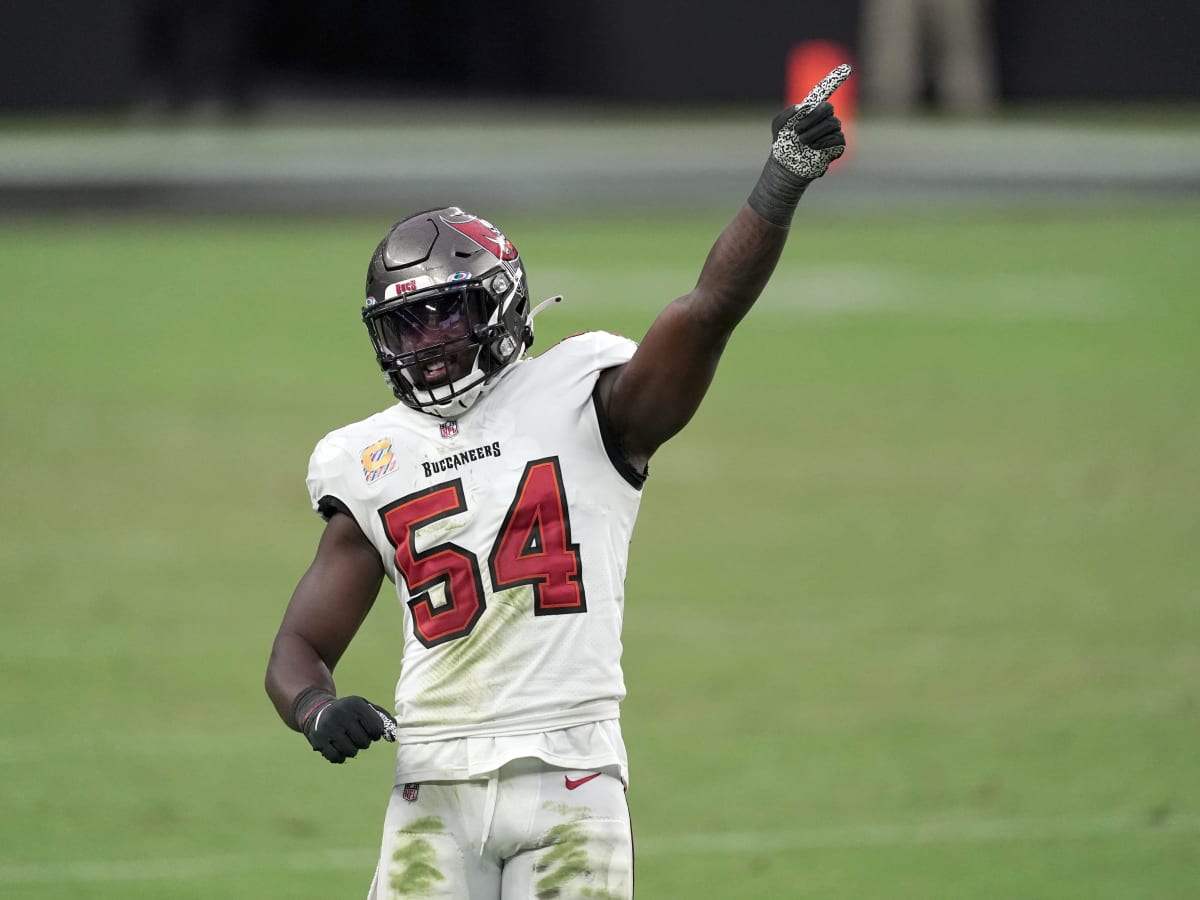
<point>486,236</point>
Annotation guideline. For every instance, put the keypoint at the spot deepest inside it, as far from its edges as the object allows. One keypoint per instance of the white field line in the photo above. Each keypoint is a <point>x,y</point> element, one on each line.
<point>203,745</point>
<point>851,837</point>
<point>830,290</point>
<point>181,868</point>
<point>984,831</point>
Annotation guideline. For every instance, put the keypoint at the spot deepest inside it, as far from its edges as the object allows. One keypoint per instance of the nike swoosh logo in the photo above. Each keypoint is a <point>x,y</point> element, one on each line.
<point>572,784</point>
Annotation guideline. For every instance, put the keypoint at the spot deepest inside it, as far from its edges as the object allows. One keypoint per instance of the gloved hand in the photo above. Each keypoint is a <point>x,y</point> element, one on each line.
<point>337,727</point>
<point>807,137</point>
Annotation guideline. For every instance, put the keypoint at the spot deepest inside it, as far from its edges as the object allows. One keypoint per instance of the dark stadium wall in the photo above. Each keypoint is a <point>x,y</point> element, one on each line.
<point>1084,50</point>
<point>66,54</point>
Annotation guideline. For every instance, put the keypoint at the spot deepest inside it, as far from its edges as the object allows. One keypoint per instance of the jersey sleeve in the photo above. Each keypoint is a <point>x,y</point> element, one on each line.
<point>586,356</point>
<point>598,350</point>
<point>327,487</point>
<point>611,349</point>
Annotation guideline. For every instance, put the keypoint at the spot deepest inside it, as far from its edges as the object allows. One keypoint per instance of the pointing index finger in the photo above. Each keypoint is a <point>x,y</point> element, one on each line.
<point>824,89</point>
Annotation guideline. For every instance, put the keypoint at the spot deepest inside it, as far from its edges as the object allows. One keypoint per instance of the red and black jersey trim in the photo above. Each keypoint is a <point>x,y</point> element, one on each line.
<point>612,445</point>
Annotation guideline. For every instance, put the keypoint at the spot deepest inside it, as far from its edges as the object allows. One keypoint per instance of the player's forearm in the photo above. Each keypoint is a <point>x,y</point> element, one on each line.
<point>807,138</point>
<point>735,272</point>
<point>294,666</point>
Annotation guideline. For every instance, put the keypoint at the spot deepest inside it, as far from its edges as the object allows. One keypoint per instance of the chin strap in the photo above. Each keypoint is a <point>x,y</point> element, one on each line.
<point>456,406</point>
<point>557,298</point>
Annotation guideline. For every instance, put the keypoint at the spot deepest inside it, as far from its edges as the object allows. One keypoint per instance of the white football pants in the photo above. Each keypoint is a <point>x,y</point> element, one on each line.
<point>531,830</point>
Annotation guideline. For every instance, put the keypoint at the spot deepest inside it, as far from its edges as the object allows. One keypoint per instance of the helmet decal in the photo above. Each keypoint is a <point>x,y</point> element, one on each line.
<point>486,235</point>
<point>406,287</point>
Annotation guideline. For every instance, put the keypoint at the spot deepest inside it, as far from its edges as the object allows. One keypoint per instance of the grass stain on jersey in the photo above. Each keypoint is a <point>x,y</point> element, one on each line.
<point>459,658</point>
<point>414,870</point>
<point>566,865</point>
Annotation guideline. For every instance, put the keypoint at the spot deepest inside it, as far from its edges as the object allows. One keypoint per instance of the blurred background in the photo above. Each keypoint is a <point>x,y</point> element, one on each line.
<point>164,105</point>
<point>914,602</point>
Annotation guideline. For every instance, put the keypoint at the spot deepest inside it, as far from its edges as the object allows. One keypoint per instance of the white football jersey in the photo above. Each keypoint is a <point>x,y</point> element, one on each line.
<point>506,533</point>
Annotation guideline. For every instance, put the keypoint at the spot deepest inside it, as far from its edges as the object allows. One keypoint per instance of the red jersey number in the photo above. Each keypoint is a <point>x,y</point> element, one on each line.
<point>454,567</point>
<point>533,547</point>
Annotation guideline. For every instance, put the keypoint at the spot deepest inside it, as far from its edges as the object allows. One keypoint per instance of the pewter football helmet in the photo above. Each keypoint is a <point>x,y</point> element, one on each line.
<point>447,309</point>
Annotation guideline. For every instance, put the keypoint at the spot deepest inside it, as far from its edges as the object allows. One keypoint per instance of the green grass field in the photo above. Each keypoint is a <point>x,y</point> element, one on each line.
<point>913,606</point>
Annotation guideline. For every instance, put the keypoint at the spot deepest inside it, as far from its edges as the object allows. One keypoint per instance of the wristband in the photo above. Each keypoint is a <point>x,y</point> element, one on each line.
<point>307,702</point>
<point>777,193</point>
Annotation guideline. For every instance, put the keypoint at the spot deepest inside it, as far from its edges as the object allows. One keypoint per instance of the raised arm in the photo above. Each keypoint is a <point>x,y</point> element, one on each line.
<point>650,398</point>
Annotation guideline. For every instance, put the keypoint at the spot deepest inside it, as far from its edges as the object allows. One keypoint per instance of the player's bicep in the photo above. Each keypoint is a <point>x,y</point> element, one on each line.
<point>653,396</point>
<point>336,592</point>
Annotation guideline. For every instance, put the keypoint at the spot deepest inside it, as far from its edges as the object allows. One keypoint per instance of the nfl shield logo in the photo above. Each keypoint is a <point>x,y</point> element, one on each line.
<point>411,789</point>
<point>449,428</point>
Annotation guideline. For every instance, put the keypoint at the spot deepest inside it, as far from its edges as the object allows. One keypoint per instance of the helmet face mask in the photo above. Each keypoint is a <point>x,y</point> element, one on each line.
<point>447,309</point>
<point>430,338</point>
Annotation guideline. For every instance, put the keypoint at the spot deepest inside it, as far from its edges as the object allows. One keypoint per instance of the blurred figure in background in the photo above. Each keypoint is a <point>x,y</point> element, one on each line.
<point>946,46</point>
<point>196,58</point>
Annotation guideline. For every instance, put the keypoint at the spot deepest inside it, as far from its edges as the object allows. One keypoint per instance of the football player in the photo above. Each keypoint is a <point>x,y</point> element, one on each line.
<point>499,495</point>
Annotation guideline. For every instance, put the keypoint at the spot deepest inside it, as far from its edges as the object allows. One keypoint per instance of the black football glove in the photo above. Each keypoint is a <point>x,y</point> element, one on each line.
<point>806,138</point>
<point>337,727</point>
